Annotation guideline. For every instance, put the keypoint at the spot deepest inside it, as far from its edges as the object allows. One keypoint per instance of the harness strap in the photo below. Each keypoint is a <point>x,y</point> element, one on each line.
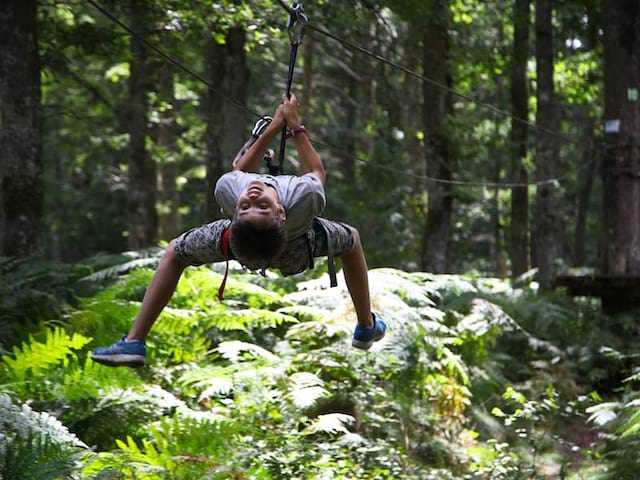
<point>331,265</point>
<point>225,253</point>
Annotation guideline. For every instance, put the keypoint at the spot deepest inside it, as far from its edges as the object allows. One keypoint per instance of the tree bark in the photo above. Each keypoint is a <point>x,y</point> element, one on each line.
<point>21,187</point>
<point>547,212</point>
<point>412,123</point>
<point>519,233</point>
<point>436,103</point>
<point>168,196</point>
<point>621,216</point>
<point>586,176</point>
<point>308,53</point>
<point>349,126</point>
<point>226,123</point>
<point>141,202</point>
<point>214,58</point>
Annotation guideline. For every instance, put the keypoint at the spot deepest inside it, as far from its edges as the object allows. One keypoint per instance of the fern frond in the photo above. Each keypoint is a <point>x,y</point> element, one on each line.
<point>398,282</point>
<point>330,423</point>
<point>305,389</point>
<point>247,319</point>
<point>35,444</point>
<point>454,365</point>
<point>231,350</point>
<point>37,357</point>
<point>303,313</point>
<point>603,413</point>
<point>117,270</point>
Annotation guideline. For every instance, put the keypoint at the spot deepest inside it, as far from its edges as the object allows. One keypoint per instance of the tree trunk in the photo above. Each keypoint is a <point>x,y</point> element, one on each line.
<point>235,132</point>
<point>519,245</point>
<point>168,196</point>
<point>547,212</point>
<point>412,122</point>
<point>214,58</point>
<point>306,106</point>
<point>348,127</point>
<point>621,219</point>
<point>226,123</point>
<point>586,176</point>
<point>435,110</point>
<point>21,189</point>
<point>143,218</point>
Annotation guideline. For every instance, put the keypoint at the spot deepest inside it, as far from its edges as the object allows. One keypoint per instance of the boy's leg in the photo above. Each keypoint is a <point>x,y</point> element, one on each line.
<point>346,244</point>
<point>158,293</point>
<point>130,351</point>
<point>354,267</point>
<point>194,247</point>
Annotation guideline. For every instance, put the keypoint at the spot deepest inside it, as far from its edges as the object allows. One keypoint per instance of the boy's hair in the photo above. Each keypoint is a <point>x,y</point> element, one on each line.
<point>256,245</point>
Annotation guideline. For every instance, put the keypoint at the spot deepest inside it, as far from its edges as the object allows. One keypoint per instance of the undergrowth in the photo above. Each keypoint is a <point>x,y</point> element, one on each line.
<point>475,379</point>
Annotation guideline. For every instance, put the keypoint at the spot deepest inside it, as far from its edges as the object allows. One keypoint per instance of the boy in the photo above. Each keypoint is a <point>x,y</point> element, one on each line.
<point>274,224</point>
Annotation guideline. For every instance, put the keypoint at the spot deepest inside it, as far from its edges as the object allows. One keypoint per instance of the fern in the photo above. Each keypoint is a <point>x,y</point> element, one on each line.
<point>36,357</point>
<point>305,389</point>
<point>331,423</point>
<point>184,448</point>
<point>198,289</point>
<point>232,350</point>
<point>251,365</point>
<point>35,445</point>
<point>128,287</point>
<point>136,259</point>
<point>303,313</point>
<point>245,320</point>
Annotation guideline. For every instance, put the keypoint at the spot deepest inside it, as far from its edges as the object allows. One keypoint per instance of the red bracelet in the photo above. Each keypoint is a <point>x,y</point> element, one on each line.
<point>299,130</point>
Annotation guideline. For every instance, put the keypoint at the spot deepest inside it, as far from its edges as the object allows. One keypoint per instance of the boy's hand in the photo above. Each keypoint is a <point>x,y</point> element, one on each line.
<point>291,111</point>
<point>278,122</point>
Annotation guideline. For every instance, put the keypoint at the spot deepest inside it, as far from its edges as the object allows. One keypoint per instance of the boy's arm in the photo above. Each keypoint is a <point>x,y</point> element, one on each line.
<point>309,158</point>
<point>250,161</point>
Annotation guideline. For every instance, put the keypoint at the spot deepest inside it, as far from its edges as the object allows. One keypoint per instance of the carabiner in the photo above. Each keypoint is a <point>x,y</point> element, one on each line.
<point>297,23</point>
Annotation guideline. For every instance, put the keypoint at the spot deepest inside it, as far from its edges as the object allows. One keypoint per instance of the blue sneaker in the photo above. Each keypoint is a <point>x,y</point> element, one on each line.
<point>121,354</point>
<point>364,337</point>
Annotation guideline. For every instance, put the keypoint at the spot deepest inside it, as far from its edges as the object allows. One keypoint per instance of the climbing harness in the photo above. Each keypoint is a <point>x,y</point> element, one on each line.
<point>296,26</point>
<point>225,253</point>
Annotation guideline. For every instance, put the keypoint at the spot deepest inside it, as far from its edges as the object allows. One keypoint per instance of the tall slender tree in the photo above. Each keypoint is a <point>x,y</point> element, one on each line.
<point>621,225</point>
<point>586,176</point>
<point>436,107</point>
<point>21,192</point>
<point>547,212</point>
<point>519,244</point>
<point>165,137</point>
<point>308,89</point>
<point>226,123</point>
<point>143,218</point>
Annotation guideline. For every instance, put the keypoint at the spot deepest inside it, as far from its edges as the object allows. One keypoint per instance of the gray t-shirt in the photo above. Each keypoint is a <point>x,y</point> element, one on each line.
<point>301,196</point>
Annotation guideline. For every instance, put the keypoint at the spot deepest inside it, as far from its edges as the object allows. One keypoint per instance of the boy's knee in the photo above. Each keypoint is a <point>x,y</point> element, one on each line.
<point>355,235</point>
<point>172,257</point>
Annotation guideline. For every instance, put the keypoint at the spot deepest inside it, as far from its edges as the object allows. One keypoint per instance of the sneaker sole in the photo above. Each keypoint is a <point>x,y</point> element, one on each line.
<point>365,345</point>
<point>121,360</point>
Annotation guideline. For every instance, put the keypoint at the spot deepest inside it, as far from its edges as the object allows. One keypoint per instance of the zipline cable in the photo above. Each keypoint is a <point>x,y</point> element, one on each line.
<point>170,59</point>
<point>435,83</point>
<point>245,108</point>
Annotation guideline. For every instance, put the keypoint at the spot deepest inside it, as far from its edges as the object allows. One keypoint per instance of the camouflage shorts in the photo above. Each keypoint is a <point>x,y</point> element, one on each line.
<point>204,245</point>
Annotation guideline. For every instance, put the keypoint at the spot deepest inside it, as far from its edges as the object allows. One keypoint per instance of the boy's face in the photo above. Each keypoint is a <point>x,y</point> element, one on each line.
<point>259,204</point>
